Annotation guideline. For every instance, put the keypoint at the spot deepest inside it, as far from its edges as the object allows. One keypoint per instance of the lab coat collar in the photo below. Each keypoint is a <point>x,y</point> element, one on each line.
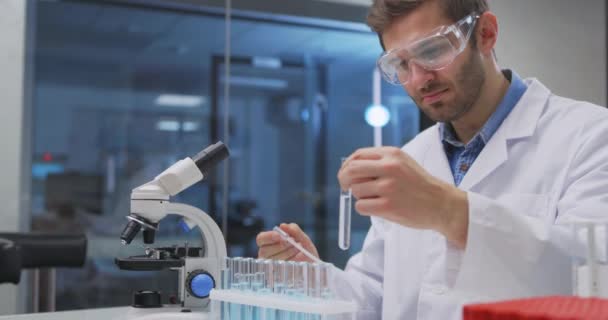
<point>519,124</point>
<point>522,121</point>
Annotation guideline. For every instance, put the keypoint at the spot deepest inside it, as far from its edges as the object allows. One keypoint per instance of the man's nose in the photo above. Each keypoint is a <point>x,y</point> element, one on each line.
<point>419,76</point>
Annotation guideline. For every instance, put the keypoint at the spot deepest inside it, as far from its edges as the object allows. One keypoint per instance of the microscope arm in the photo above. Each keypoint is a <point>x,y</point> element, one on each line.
<point>149,201</point>
<point>214,240</point>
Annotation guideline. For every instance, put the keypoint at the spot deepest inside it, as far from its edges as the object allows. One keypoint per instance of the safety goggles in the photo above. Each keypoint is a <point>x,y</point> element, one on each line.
<point>433,52</point>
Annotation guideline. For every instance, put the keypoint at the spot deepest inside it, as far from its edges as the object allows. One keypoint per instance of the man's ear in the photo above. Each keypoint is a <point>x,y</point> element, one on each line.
<point>487,32</point>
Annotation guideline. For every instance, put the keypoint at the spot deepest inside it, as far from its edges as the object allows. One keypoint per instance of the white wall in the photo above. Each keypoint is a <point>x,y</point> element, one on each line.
<point>12,35</point>
<point>561,42</point>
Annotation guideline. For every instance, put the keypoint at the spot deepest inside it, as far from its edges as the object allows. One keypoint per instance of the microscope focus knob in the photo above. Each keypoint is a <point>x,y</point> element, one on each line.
<point>199,283</point>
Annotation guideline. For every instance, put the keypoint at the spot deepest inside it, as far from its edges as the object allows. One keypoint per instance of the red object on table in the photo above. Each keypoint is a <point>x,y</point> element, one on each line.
<point>543,308</point>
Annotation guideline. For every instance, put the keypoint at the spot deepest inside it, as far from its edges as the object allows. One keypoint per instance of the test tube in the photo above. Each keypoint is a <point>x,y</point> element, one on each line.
<point>258,275</point>
<point>267,268</point>
<point>235,273</point>
<point>314,280</point>
<point>290,284</point>
<point>344,222</point>
<point>280,276</point>
<point>227,275</point>
<point>236,309</point>
<point>324,277</point>
<point>314,286</point>
<point>226,270</point>
<point>246,272</point>
<point>301,279</point>
<point>280,283</point>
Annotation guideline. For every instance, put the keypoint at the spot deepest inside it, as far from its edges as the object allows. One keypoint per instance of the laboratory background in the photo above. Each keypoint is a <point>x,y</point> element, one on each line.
<point>99,97</point>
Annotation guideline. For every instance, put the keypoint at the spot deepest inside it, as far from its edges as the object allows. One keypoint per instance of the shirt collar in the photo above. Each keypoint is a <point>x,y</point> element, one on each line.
<point>514,92</point>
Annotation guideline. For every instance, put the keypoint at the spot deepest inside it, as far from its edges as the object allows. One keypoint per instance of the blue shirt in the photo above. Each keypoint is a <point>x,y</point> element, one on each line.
<point>461,156</point>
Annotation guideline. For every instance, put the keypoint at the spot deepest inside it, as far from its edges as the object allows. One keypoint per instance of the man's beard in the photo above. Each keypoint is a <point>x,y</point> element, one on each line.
<point>467,88</point>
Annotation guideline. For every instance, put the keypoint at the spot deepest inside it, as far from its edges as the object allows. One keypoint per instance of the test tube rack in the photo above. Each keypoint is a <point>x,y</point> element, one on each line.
<point>262,289</point>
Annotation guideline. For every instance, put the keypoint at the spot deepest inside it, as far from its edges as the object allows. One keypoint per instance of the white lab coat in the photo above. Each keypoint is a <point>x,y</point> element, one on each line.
<point>547,163</point>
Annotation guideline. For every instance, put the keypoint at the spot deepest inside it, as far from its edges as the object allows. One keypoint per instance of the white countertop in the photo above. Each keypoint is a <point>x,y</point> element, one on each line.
<point>120,313</point>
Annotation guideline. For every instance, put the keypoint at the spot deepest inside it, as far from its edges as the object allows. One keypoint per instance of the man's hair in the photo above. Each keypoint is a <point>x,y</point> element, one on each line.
<point>383,13</point>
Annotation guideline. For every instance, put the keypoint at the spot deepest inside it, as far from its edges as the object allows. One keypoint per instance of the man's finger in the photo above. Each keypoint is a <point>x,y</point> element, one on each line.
<point>301,237</point>
<point>366,189</point>
<point>286,254</point>
<point>295,232</point>
<point>267,237</point>
<point>272,250</point>
<point>359,170</point>
<point>363,153</point>
<point>372,153</point>
<point>371,206</point>
<point>301,258</point>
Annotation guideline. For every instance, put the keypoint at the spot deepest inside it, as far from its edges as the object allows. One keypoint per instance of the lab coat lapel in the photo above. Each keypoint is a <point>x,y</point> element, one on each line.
<point>435,160</point>
<point>519,124</point>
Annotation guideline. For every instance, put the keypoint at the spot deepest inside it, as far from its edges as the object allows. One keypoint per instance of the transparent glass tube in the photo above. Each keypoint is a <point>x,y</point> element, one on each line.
<point>258,280</point>
<point>267,268</point>
<point>345,218</point>
<point>290,283</point>
<point>314,280</point>
<point>235,273</point>
<point>226,269</point>
<point>246,273</point>
<point>301,279</point>
<point>324,277</point>
<point>280,276</point>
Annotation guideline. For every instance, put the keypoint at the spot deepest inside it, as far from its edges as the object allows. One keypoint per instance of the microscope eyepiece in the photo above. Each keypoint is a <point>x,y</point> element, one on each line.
<point>211,156</point>
<point>129,232</point>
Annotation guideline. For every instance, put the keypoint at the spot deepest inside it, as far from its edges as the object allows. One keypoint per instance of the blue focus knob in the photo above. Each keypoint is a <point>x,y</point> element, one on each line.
<point>200,284</point>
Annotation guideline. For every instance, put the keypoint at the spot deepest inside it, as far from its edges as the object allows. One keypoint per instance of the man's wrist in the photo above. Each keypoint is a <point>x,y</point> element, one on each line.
<point>454,216</point>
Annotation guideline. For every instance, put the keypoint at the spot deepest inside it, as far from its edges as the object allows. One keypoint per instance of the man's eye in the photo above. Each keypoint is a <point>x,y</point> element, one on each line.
<point>432,53</point>
<point>403,64</point>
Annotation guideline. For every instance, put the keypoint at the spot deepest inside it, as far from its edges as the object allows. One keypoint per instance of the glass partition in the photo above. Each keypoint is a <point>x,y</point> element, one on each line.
<point>124,91</point>
<point>121,93</point>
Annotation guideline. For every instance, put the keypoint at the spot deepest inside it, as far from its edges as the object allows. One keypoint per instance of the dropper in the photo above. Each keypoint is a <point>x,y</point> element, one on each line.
<point>298,246</point>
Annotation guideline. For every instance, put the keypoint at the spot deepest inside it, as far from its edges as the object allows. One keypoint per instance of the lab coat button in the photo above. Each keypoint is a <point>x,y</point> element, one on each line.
<point>439,290</point>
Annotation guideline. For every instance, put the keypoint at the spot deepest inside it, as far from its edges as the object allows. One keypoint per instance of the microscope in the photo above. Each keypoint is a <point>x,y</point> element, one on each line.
<point>198,268</point>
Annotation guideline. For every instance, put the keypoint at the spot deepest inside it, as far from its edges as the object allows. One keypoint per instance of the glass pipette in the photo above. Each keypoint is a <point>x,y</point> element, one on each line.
<point>298,246</point>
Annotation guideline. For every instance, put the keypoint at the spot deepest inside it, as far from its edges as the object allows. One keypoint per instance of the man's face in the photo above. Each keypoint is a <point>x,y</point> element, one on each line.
<point>444,95</point>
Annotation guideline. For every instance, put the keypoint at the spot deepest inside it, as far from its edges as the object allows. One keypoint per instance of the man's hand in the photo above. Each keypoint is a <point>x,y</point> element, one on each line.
<point>390,184</point>
<point>272,246</point>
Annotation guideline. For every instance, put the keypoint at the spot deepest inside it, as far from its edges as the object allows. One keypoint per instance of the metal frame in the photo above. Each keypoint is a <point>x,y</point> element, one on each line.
<point>285,12</point>
<point>27,137</point>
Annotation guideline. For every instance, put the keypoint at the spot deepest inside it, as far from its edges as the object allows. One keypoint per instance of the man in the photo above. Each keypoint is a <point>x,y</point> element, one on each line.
<point>476,207</point>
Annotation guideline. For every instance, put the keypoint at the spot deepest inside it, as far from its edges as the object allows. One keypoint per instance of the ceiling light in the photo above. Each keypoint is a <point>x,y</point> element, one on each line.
<point>190,126</point>
<point>180,100</point>
<point>256,82</point>
<point>377,115</point>
<point>168,125</point>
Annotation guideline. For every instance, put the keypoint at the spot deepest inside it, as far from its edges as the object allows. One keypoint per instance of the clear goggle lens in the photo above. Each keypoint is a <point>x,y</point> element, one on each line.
<point>433,52</point>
